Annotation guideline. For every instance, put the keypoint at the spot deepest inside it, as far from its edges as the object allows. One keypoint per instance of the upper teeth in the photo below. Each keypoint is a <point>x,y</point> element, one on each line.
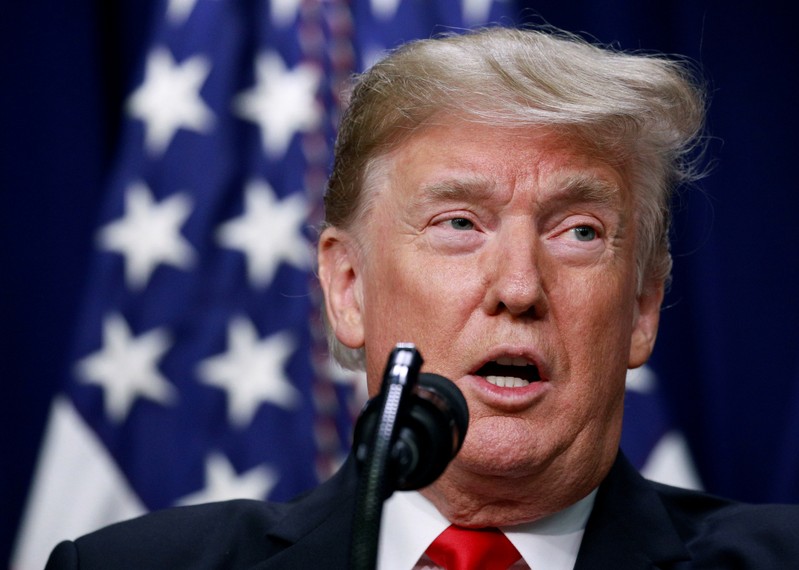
<point>507,381</point>
<point>512,361</point>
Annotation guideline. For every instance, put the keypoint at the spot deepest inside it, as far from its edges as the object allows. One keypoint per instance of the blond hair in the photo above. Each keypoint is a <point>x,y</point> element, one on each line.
<point>643,111</point>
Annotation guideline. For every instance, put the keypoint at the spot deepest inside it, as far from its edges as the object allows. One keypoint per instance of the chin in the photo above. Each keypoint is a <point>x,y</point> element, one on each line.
<point>502,456</point>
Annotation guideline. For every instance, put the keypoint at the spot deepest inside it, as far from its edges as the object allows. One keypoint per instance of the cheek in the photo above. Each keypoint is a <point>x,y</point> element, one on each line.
<point>395,303</point>
<point>597,328</point>
<point>419,302</point>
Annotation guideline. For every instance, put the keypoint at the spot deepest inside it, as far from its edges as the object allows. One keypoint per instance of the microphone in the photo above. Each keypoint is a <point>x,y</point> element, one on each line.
<point>430,424</point>
<point>404,439</point>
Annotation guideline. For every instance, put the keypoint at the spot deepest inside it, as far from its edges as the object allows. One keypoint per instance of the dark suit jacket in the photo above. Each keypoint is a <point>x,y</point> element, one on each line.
<point>635,524</point>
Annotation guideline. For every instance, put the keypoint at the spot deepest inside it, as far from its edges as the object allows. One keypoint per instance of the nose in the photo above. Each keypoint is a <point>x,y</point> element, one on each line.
<point>514,276</point>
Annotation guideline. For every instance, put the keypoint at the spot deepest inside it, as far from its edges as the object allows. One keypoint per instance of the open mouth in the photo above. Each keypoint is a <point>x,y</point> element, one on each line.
<point>508,372</point>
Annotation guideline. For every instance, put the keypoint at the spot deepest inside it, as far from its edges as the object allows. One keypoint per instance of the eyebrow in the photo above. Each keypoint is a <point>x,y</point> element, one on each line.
<point>588,189</point>
<point>568,189</point>
<point>572,188</point>
<point>583,188</point>
<point>469,190</point>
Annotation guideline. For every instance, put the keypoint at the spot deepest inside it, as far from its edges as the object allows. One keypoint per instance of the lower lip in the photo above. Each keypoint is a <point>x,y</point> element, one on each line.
<point>507,399</point>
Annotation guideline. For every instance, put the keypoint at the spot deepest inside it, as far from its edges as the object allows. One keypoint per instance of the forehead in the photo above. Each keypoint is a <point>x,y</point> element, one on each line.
<point>447,159</point>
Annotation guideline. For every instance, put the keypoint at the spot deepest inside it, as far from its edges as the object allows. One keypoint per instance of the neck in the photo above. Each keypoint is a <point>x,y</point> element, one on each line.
<point>479,500</point>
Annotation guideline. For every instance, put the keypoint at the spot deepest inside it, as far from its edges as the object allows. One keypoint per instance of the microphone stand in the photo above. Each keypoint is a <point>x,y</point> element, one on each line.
<point>374,484</point>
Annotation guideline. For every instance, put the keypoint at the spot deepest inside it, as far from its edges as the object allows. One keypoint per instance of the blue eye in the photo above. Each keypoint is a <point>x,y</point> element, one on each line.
<point>585,233</point>
<point>461,224</point>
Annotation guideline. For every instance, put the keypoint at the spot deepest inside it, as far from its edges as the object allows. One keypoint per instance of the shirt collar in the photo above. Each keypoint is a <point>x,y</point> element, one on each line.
<point>410,523</point>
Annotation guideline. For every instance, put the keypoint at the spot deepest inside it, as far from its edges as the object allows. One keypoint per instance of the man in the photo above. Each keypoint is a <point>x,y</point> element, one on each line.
<point>500,199</point>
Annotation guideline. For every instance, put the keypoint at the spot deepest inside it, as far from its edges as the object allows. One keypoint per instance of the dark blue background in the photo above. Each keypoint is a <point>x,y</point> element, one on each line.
<point>728,349</point>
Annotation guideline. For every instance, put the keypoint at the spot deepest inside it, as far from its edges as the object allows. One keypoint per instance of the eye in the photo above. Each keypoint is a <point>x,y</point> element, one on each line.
<point>455,233</point>
<point>584,233</point>
<point>461,224</point>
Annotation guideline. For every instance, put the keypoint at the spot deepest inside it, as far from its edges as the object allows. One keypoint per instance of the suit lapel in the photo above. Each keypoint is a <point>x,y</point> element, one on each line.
<point>319,522</point>
<point>629,527</point>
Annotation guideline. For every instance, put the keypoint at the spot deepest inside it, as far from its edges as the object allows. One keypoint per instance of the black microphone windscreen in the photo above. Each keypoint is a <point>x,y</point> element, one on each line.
<point>452,396</point>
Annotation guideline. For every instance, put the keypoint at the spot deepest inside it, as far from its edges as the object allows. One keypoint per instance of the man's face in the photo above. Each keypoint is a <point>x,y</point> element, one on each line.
<point>508,258</point>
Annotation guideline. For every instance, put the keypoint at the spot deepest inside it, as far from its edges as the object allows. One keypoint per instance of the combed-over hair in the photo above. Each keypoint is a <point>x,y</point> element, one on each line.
<point>642,112</point>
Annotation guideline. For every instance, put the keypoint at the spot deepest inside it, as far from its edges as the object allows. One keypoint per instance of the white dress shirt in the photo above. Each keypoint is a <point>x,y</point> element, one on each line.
<point>410,523</point>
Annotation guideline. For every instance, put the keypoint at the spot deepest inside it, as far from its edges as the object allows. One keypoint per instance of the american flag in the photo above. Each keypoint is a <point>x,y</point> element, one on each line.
<point>199,368</point>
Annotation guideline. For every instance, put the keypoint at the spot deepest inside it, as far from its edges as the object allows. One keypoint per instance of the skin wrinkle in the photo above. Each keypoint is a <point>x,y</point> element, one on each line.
<point>375,174</point>
<point>519,279</point>
<point>512,278</point>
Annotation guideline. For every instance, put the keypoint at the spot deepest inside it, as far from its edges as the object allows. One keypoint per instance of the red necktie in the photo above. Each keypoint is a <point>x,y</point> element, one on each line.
<point>468,549</point>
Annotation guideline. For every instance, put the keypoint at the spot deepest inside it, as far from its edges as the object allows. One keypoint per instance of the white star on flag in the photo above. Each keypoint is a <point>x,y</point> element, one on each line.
<point>268,232</point>
<point>282,102</point>
<point>476,11</point>
<point>641,380</point>
<point>222,483</point>
<point>126,367</point>
<point>169,99</point>
<point>669,460</point>
<point>148,234</point>
<point>284,12</point>
<point>178,11</point>
<point>252,371</point>
<point>384,9</point>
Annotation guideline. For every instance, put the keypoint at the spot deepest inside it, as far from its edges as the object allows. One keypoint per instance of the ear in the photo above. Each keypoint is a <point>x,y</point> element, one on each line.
<point>645,324</point>
<point>339,276</point>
